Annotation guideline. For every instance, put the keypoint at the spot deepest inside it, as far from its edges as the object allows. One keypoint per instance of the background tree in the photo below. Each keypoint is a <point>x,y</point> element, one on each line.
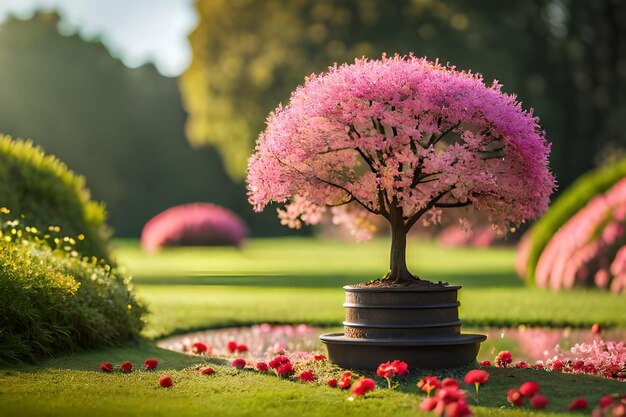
<point>401,138</point>
<point>566,57</point>
<point>122,128</point>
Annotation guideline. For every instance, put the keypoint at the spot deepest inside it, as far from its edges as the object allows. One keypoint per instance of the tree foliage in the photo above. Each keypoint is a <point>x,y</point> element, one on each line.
<point>402,138</point>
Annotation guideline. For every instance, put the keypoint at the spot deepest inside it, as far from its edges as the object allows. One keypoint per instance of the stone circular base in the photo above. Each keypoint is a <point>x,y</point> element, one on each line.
<point>423,353</point>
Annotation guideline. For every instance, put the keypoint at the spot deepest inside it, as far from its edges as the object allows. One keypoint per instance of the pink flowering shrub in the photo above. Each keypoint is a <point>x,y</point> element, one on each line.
<point>405,139</point>
<point>589,249</point>
<point>198,224</point>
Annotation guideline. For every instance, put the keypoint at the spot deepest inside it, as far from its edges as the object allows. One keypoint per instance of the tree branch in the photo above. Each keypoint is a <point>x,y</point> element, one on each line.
<point>414,218</point>
<point>433,140</point>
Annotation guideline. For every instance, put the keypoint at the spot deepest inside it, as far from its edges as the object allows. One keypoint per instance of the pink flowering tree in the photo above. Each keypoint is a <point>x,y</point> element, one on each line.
<point>405,139</point>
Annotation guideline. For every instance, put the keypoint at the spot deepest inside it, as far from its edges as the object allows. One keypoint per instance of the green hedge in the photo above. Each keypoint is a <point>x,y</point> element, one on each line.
<point>44,192</point>
<point>569,203</point>
<point>53,302</point>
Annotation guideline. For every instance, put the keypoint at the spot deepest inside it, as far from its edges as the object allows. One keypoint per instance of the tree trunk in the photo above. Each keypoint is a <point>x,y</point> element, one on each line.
<point>398,272</point>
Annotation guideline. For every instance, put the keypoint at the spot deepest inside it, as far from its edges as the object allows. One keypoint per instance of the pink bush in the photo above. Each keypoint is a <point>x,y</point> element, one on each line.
<point>198,224</point>
<point>590,248</point>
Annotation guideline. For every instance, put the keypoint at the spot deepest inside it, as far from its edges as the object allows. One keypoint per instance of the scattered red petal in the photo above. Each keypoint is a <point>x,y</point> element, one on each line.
<point>199,348</point>
<point>514,397</point>
<point>363,386</point>
<point>344,382</point>
<point>606,401</point>
<point>306,376</point>
<point>449,383</point>
<point>242,348</point>
<point>539,401</point>
<point>126,367</point>
<point>151,364</point>
<point>529,388</point>
<point>166,381</point>
<point>319,357</point>
<point>332,382</point>
<point>232,346</point>
<point>238,363</point>
<point>485,364</point>
<point>429,403</point>
<point>106,367</point>
<point>596,329</point>
<point>207,371</point>
<point>578,404</point>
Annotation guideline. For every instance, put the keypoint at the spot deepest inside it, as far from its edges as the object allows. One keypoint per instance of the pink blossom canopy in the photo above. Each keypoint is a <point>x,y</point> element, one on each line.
<point>400,132</point>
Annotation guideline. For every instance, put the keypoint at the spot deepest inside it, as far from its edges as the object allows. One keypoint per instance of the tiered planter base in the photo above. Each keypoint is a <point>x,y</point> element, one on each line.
<point>418,324</point>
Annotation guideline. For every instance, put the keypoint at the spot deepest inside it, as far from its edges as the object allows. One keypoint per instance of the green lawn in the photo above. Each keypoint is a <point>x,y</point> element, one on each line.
<point>295,280</point>
<point>300,280</point>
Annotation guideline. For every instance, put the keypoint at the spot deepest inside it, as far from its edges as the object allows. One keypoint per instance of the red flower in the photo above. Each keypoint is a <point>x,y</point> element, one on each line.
<point>277,361</point>
<point>596,329</point>
<point>126,367</point>
<point>242,348</point>
<point>166,381</point>
<point>199,348</point>
<point>557,365</point>
<point>514,397</point>
<point>578,404</point>
<point>504,359</point>
<point>539,401</point>
<point>449,383</point>
<point>344,381</point>
<point>106,367</point>
<point>606,401</point>
<point>429,403</point>
<point>578,365</point>
<point>238,363</point>
<point>457,409</point>
<point>306,376</point>
<point>521,365</point>
<point>391,369</point>
<point>485,364</point>
<point>207,371</point>
<point>232,346</point>
<point>151,364</point>
<point>529,388</point>
<point>319,357</point>
<point>428,383</point>
<point>332,382</point>
<point>619,409</point>
<point>261,366</point>
<point>285,368</point>
<point>538,365</point>
<point>476,376</point>
<point>362,386</point>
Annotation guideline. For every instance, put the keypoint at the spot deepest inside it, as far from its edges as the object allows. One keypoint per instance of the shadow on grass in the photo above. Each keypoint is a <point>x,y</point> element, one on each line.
<point>473,279</point>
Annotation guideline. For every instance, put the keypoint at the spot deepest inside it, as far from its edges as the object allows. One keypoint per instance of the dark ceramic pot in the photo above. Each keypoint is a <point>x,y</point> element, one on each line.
<point>419,325</point>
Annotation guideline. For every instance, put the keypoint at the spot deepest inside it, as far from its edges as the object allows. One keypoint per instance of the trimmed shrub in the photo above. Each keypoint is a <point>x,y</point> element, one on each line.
<point>589,249</point>
<point>53,302</point>
<point>569,203</point>
<point>45,193</point>
<point>198,224</point>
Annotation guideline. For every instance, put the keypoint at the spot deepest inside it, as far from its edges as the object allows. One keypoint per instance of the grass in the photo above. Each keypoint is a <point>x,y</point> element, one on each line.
<point>300,280</point>
<point>295,280</point>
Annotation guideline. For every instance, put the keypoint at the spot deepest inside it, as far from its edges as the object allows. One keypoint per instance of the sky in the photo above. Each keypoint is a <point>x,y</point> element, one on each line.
<point>136,31</point>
